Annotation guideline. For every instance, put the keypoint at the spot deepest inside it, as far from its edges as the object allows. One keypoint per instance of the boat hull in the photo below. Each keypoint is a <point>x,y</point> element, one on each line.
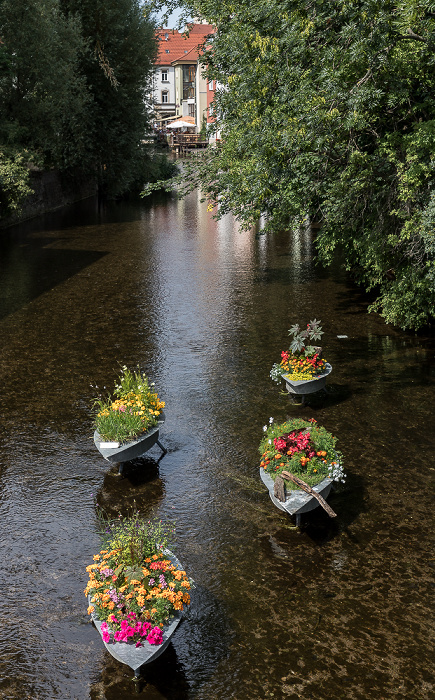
<point>301,387</point>
<point>132,449</point>
<point>135,657</point>
<point>298,501</point>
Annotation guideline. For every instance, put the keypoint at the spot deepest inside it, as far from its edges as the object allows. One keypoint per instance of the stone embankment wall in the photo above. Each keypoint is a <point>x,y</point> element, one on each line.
<point>52,190</point>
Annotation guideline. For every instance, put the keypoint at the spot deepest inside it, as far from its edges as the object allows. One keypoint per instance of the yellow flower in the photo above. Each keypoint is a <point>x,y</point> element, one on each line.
<point>90,609</point>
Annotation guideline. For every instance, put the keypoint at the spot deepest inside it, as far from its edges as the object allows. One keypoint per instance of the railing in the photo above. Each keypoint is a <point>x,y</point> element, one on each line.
<point>187,142</point>
<point>187,138</point>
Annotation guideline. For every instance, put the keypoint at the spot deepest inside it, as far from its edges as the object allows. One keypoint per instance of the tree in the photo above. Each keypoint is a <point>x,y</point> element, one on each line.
<point>118,65</point>
<point>44,99</point>
<point>74,76</point>
<point>327,111</point>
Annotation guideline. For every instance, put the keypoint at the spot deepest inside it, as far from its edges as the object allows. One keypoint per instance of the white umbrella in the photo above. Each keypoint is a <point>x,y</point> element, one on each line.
<point>180,124</point>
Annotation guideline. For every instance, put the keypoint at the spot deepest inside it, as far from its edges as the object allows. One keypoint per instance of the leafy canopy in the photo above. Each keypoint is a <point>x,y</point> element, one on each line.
<point>326,110</point>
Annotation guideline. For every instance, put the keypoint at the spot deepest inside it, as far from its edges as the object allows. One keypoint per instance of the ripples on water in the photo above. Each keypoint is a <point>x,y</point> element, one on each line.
<point>340,610</point>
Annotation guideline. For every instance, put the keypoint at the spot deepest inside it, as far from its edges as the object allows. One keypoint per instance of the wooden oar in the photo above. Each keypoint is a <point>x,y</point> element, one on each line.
<point>307,489</point>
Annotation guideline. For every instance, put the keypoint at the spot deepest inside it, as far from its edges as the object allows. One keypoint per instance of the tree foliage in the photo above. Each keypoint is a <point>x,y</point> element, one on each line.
<point>118,65</point>
<point>74,76</point>
<point>326,110</point>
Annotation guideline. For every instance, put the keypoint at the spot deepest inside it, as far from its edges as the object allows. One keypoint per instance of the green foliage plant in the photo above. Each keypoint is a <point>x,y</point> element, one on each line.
<point>133,409</point>
<point>302,448</point>
<point>301,361</point>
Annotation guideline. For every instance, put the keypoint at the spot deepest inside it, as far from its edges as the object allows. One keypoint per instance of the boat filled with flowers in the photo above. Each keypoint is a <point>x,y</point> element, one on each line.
<point>302,449</point>
<point>137,590</point>
<point>302,366</point>
<point>127,424</point>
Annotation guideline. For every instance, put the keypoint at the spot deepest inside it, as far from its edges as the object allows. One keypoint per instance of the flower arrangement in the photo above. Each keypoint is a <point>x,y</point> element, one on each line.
<point>303,448</point>
<point>134,408</point>
<point>134,587</point>
<point>301,361</point>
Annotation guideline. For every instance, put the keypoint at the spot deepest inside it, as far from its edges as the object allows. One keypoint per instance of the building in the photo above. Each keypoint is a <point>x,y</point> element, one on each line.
<point>179,89</point>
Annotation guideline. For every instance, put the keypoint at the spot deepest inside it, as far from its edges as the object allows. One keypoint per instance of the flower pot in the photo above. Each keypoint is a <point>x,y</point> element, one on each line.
<point>300,387</point>
<point>298,501</point>
<point>114,452</point>
<point>135,657</point>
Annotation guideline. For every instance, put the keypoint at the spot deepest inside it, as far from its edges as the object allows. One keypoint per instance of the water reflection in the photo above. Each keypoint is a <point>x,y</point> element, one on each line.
<point>204,308</point>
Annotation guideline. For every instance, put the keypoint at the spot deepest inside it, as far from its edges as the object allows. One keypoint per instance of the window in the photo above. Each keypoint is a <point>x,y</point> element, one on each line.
<point>191,110</point>
<point>164,75</point>
<point>210,85</point>
<point>188,82</point>
<point>165,95</point>
<point>166,50</point>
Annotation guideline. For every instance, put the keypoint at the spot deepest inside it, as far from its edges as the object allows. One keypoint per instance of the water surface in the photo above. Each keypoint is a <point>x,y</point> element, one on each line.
<point>341,609</point>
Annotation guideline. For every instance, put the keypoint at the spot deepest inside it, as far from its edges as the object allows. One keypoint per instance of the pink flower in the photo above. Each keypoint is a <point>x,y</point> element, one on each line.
<point>155,636</point>
<point>118,636</point>
<point>122,409</point>
<point>145,628</point>
<point>106,637</point>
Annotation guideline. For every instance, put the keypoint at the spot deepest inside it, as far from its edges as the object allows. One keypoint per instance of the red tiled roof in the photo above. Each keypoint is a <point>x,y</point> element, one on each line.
<point>177,46</point>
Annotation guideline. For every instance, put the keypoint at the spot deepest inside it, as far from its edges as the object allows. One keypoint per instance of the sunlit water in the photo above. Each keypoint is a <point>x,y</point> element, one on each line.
<point>341,609</point>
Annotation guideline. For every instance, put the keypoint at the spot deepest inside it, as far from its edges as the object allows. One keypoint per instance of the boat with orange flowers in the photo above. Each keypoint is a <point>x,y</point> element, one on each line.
<point>131,654</point>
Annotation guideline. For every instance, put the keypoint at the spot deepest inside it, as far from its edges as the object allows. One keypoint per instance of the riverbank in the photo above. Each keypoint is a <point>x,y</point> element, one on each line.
<point>52,190</point>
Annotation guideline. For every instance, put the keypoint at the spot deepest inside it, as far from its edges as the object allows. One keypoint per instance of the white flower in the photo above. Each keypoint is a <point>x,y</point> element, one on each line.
<point>264,428</point>
<point>270,442</point>
<point>271,420</point>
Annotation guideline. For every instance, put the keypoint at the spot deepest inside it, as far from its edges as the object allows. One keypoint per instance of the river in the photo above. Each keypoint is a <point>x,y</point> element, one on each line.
<point>342,608</point>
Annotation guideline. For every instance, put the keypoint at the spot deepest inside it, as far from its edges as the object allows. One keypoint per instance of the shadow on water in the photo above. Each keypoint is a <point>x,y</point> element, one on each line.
<point>332,395</point>
<point>204,635</point>
<point>139,486</point>
<point>29,271</point>
<point>347,501</point>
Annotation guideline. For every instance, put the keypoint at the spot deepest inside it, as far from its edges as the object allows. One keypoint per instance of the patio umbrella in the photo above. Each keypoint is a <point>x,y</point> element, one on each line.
<point>180,124</point>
